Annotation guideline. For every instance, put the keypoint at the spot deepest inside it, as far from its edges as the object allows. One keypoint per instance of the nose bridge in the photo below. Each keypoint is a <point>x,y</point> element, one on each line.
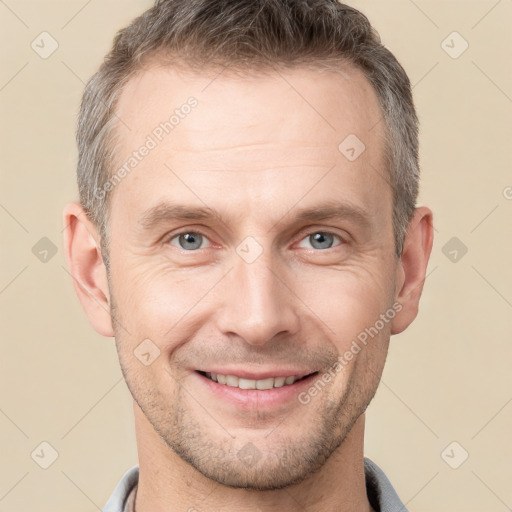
<point>258,304</point>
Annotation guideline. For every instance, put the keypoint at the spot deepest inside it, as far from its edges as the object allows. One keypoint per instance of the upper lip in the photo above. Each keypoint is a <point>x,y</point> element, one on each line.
<point>245,374</point>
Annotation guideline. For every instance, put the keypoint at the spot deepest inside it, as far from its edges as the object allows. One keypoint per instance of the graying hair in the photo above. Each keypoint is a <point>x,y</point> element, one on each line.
<point>248,35</point>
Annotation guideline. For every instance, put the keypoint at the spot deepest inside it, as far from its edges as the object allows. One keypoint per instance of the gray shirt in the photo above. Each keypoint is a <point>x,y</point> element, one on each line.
<point>381,494</point>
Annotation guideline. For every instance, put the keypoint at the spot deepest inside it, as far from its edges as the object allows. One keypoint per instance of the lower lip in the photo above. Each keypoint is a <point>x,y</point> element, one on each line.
<point>257,398</point>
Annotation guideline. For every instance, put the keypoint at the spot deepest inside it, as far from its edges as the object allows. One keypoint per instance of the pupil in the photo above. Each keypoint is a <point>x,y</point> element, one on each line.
<point>191,238</point>
<point>323,239</point>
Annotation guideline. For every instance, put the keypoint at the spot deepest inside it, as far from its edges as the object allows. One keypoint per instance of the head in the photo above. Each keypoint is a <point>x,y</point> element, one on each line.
<point>248,178</point>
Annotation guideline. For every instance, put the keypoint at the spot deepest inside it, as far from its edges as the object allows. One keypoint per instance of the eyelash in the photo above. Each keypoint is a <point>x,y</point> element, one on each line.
<point>199,232</point>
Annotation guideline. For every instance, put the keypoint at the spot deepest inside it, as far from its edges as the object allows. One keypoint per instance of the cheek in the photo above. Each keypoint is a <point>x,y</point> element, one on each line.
<point>347,300</point>
<point>155,301</point>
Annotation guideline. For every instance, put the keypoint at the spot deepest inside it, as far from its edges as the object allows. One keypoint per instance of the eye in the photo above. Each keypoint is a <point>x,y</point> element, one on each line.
<point>193,240</point>
<point>188,240</point>
<point>321,240</point>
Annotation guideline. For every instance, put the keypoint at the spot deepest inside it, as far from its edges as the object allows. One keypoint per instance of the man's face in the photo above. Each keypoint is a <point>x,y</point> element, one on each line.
<point>255,291</point>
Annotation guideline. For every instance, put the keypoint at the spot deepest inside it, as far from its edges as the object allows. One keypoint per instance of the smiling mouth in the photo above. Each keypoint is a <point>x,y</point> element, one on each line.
<point>261,384</point>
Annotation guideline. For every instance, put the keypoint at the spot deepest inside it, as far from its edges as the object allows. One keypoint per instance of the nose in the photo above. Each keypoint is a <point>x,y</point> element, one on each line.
<point>258,301</point>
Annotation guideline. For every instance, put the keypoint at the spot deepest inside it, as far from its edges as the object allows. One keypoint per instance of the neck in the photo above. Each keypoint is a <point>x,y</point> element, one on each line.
<point>167,483</point>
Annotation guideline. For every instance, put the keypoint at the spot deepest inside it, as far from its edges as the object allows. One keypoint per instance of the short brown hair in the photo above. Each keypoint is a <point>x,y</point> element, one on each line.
<point>250,35</point>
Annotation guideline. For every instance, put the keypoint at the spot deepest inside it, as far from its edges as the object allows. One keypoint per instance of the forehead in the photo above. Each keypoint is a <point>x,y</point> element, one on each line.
<point>252,131</point>
<point>332,101</point>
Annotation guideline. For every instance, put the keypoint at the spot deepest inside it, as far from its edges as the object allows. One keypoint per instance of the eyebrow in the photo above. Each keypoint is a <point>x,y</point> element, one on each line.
<point>164,213</point>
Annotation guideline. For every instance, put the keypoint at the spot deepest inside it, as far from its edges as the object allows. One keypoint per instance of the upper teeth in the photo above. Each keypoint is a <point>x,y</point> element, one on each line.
<point>239,382</point>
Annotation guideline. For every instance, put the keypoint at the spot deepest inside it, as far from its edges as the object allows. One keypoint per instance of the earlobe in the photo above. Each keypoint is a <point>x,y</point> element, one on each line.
<point>413,266</point>
<point>84,259</point>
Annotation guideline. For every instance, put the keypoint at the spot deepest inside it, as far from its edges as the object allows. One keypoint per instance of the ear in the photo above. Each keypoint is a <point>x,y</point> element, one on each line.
<point>85,262</point>
<point>413,267</point>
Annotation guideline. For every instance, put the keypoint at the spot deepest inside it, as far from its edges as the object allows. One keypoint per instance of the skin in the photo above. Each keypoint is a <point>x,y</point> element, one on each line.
<point>257,150</point>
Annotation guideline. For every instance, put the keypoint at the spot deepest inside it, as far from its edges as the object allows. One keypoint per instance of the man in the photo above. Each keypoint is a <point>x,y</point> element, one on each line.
<point>279,139</point>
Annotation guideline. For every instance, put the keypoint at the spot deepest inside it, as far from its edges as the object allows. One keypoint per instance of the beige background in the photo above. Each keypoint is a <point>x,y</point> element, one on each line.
<point>447,377</point>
